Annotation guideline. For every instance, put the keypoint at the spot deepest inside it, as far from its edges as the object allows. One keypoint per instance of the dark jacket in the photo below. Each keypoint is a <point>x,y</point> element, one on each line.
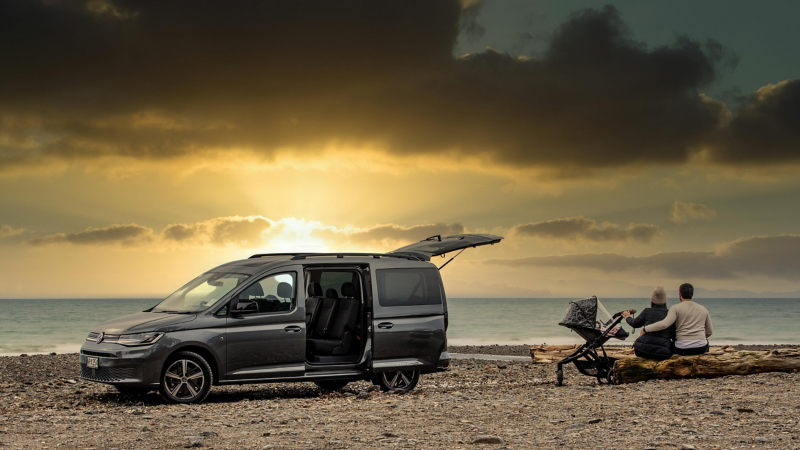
<point>656,345</point>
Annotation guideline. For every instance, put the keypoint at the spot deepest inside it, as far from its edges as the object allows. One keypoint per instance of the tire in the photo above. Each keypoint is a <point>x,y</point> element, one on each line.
<point>331,385</point>
<point>186,378</point>
<point>559,377</point>
<point>130,390</point>
<point>400,381</point>
<point>610,377</point>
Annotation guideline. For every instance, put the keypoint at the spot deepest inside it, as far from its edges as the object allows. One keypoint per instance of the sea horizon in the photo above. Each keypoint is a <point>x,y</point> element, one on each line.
<point>61,325</point>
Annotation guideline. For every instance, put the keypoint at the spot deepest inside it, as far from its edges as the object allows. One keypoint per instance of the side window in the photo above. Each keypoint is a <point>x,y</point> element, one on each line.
<point>275,293</point>
<point>335,280</point>
<point>408,287</point>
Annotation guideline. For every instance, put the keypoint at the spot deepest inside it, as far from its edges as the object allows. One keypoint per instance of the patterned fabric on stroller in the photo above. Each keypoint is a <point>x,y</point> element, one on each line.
<point>592,322</point>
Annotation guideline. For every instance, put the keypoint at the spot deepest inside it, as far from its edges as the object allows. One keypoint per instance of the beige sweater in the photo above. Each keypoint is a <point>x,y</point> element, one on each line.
<point>692,322</point>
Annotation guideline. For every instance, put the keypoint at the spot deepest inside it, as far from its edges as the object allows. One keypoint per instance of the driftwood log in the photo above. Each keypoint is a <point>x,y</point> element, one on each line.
<point>548,354</point>
<point>710,365</point>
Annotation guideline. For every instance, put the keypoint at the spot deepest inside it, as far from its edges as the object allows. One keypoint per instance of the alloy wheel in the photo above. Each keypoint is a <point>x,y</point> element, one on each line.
<point>184,379</point>
<point>399,380</point>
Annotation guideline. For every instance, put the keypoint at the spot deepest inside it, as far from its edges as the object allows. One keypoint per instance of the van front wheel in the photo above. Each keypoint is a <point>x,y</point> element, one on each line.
<point>186,378</point>
<point>398,381</point>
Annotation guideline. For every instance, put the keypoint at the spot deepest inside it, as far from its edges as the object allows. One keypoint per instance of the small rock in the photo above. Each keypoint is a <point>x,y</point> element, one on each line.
<point>574,426</point>
<point>389,434</point>
<point>270,447</point>
<point>595,420</point>
<point>745,410</point>
<point>70,382</point>
<point>266,434</point>
<point>487,439</point>
<point>257,420</point>
<point>195,444</point>
<point>363,395</point>
<point>211,434</point>
<point>52,353</point>
<point>761,440</point>
<point>718,413</point>
<point>356,438</point>
<point>23,354</point>
<point>502,366</point>
<point>687,447</point>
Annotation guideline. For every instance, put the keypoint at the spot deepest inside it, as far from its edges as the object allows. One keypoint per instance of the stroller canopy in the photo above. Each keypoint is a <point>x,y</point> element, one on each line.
<point>586,313</point>
<point>581,314</point>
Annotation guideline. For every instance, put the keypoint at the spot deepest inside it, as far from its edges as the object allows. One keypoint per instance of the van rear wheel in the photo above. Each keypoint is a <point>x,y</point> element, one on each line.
<point>398,381</point>
<point>186,378</point>
<point>331,385</point>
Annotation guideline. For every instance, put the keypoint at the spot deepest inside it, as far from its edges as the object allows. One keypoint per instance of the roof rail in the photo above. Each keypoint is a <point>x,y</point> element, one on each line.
<point>296,256</point>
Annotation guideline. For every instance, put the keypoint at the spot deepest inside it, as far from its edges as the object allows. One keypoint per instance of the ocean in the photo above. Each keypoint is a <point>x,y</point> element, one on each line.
<point>61,325</point>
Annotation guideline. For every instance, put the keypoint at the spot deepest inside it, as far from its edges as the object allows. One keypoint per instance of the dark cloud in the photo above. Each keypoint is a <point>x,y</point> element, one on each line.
<point>161,80</point>
<point>389,233</point>
<point>776,257</point>
<point>126,235</point>
<point>764,128</point>
<point>580,228</point>
<point>220,231</point>
<point>683,212</point>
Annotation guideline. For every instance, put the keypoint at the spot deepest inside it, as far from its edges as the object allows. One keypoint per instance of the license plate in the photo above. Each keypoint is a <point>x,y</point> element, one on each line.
<point>92,362</point>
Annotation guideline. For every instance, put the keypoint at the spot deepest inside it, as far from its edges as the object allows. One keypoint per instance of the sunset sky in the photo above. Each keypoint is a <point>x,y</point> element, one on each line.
<point>615,147</point>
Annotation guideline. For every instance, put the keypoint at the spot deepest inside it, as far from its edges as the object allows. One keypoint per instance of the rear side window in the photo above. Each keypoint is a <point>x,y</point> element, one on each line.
<point>409,287</point>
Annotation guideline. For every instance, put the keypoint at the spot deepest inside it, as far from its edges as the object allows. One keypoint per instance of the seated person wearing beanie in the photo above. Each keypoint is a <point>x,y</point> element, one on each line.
<point>692,324</point>
<point>654,345</point>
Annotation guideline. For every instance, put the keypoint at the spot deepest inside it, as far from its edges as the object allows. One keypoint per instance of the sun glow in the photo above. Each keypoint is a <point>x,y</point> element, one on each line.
<point>295,235</point>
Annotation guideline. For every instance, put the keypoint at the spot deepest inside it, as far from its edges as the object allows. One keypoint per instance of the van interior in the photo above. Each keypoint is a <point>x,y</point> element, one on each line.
<point>334,316</point>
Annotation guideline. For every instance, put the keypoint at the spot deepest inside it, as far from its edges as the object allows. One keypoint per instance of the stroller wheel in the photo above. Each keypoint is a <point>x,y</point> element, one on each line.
<point>560,377</point>
<point>610,377</point>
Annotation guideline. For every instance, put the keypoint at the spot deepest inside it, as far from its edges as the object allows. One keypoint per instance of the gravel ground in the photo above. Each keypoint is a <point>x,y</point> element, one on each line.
<point>477,404</point>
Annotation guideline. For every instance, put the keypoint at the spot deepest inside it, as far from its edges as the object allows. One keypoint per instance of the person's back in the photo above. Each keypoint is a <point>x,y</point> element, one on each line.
<point>692,324</point>
<point>658,344</point>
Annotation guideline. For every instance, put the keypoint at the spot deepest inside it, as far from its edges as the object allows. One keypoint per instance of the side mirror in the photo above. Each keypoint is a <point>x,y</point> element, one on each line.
<point>242,306</point>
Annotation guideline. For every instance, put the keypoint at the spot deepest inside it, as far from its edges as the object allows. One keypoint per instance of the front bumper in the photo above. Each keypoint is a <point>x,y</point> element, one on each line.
<point>118,364</point>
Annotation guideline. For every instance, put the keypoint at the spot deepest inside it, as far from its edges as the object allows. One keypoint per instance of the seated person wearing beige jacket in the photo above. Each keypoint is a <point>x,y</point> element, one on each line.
<point>692,324</point>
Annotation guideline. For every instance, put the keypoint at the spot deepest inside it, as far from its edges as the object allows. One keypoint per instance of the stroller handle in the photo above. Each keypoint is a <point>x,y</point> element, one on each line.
<point>631,311</point>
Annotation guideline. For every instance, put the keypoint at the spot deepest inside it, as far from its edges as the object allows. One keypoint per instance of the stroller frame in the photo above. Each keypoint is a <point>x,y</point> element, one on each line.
<point>592,364</point>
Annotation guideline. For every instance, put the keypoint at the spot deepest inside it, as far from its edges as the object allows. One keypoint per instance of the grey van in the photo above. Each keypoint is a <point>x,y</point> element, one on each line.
<point>328,318</point>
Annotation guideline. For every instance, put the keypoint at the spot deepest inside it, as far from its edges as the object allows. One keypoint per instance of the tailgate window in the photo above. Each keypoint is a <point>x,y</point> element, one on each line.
<point>409,287</point>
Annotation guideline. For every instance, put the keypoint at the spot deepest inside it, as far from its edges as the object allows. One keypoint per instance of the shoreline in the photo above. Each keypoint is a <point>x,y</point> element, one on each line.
<point>484,349</point>
<point>43,404</point>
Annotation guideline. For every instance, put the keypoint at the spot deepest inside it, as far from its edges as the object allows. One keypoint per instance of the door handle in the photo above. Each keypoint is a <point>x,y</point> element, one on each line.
<point>386,325</point>
<point>293,328</point>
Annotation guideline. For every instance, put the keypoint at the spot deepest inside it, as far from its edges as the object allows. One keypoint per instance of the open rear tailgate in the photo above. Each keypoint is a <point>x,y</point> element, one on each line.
<point>438,245</point>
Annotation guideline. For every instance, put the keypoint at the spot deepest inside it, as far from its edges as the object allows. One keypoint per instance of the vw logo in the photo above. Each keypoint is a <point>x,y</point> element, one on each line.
<point>100,337</point>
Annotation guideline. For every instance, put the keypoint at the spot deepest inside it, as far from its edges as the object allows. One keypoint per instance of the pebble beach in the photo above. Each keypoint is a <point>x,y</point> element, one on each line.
<point>476,404</point>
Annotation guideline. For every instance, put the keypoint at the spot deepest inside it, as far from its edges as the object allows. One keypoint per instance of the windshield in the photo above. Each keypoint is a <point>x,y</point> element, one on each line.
<point>200,293</point>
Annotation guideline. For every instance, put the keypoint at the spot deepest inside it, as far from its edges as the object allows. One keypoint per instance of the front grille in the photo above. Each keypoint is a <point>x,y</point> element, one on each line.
<point>101,354</point>
<point>107,374</point>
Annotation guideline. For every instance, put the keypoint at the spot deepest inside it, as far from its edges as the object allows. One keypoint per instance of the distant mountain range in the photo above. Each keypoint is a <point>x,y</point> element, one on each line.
<point>738,293</point>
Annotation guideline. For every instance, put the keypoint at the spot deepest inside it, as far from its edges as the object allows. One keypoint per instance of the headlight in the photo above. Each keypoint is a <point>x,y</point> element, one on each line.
<point>139,338</point>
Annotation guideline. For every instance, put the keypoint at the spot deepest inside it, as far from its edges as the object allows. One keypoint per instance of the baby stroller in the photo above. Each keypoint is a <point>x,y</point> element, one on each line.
<point>590,319</point>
